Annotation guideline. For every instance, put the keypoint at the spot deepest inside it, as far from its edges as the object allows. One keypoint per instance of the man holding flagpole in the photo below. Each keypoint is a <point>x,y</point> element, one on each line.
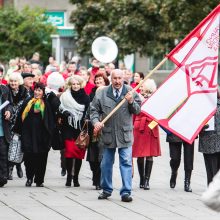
<point>116,133</point>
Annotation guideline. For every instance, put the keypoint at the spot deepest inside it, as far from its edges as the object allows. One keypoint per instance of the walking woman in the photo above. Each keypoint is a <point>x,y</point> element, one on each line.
<point>146,141</point>
<point>74,104</point>
<point>209,145</point>
<point>175,146</point>
<point>18,94</point>
<point>35,123</point>
<point>94,153</point>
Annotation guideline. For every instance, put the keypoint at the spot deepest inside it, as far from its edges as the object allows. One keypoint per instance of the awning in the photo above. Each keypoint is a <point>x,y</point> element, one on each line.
<point>66,32</point>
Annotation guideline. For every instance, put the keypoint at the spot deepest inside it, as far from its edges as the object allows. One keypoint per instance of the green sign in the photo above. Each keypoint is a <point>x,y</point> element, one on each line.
<point>56,18</point>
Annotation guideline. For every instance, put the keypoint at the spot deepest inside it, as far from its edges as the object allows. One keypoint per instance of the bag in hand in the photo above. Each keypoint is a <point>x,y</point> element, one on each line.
<point>82,140</point>
<point>15,153</point>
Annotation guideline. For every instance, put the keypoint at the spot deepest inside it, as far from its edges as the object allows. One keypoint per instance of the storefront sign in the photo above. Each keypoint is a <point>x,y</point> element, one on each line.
<point>56,18</point>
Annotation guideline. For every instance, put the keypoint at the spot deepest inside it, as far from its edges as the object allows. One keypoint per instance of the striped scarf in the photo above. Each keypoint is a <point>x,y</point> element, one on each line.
<point>39,106</point>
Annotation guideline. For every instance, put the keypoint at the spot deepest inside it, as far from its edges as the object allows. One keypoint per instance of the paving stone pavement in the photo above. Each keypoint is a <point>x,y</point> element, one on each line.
<point>57,202</point>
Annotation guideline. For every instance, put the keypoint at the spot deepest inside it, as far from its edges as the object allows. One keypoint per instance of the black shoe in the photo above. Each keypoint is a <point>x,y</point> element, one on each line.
<point>141,185</point>
<point>98,187</point>
<point>187,187</point>
<point>3,182</point>
<point>104,195</point>
<point>10,173</point>
<point>63,172</point>
<point>76,181</point>
<point>173,180</point>
<point>146,184</point>
<point>76,184</point>
<point>29,183</point>
<point>10,176</point>
<point>126,198</point>
<point>19,171</point>
<point>69,180</point>
<point>39,185</point>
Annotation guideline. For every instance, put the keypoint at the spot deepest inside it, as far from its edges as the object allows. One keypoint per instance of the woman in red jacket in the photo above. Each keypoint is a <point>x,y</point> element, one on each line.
<point>146,141</point>
<point>138,76</point>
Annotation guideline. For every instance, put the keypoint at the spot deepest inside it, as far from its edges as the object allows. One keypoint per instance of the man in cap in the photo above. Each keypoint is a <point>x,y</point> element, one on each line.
<point>28,82</point>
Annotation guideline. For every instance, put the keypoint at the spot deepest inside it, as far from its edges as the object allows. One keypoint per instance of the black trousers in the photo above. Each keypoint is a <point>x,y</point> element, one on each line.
<point>73,166</point>
<point>96,171</point>
<point>62,159</point>
<point>35,165</point>
<point>212,165</point>
<point>3,160</point>
<point>175,155</point>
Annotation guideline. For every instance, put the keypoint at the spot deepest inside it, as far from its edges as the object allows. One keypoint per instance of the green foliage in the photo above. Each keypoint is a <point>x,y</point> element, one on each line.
<point>147,26</point>
<point>184,15</point>
<point>23,33</point>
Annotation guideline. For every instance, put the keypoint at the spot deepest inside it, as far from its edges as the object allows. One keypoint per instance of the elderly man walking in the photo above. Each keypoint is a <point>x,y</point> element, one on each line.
<point>116,133</point>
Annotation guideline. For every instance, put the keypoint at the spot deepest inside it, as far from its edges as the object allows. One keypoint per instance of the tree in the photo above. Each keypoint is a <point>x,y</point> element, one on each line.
<point>129,23</point>
<point>146,26</point>
<point>184,15</point>
<point>23,33</point>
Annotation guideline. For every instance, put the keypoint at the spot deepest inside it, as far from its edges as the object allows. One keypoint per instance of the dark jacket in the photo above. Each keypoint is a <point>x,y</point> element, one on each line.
<point>35,133</point>
<point>22,94</point>
<point>171,138</point>
<point>92,94</point>
<point>209,141</point>
<point>17,101</point>
<point>95,148</point>
<point>5,96</point>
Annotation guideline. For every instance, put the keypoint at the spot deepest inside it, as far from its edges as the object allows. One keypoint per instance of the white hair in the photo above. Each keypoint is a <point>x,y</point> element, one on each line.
<point>75,59</point>
<point>149,85</point>
<point>16,76</point>
<point>117,71</point>
<point>12,61</point>
<point>55,81</point>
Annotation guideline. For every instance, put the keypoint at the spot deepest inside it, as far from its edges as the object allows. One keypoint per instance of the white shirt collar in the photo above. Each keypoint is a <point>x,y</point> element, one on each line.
<point>119,91</point>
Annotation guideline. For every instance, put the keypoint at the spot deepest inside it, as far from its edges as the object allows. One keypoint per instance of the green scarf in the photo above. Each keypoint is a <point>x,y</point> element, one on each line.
<point>39,106</point>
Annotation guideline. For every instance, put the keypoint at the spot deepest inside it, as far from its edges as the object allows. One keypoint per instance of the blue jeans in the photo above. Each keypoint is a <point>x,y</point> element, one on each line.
<point>125,164</point>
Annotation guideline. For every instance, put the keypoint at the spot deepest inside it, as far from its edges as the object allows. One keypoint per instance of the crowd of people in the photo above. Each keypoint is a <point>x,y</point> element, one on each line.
<point>38,102</point>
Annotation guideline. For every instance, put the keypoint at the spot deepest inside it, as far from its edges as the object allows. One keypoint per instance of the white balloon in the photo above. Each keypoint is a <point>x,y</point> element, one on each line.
<point>104,49</point>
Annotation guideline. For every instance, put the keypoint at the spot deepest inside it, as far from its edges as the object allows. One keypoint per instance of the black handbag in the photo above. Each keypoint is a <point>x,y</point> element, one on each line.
<point>57,142</point>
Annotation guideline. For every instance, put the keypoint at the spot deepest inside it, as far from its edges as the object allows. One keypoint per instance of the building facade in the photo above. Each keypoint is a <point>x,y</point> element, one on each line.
<point>58,12</point>
<point>63,43</point>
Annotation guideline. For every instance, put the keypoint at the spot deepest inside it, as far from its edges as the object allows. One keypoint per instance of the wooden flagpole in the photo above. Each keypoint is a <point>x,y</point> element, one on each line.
<point>134,89</point>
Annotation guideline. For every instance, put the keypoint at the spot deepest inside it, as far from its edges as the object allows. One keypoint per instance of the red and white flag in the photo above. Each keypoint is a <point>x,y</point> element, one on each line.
<point>188,98</point>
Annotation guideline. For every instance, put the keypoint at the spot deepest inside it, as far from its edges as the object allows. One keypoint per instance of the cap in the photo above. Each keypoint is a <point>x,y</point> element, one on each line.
<point>24,75</point>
